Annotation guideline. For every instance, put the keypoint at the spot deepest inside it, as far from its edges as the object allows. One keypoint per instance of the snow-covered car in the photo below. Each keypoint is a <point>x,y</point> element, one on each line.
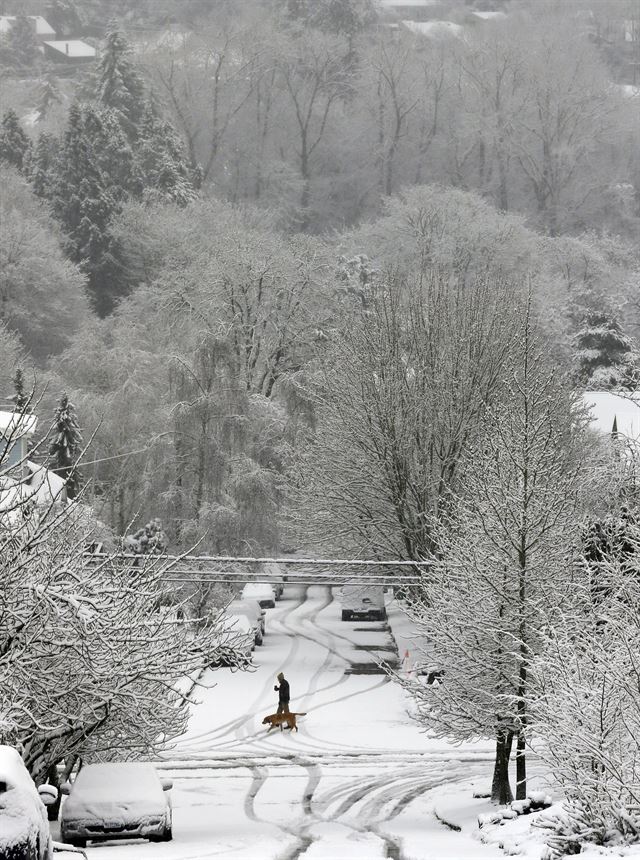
<point>116,800</point>
<point>276,577</point>
<point>262,592</point>
<point>363,601</point>
<point>242,629</point>
<point>255,614</point>
<point>24,828</point>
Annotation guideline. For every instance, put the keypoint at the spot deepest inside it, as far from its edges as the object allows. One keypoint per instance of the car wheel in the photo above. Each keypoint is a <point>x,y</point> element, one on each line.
<point>165,836</point>
<point>76,841</point>
<point>259,638</point>
<point>346,616</point>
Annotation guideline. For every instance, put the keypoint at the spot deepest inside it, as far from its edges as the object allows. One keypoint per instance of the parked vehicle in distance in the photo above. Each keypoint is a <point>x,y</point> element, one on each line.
<point>276,576</point>
<point>116,800</point>
<point>24,828</point>
<point>255,614</point>
<point>241,628</point>
<point>365,602</point>
<point>262,592</point>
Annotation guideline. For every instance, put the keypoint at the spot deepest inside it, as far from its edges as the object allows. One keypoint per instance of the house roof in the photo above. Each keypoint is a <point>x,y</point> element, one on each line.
<point>43,28</point>
<point>42,487</point>
<point>400,4</point>
<point>434,29</point>
<point>607,407</point>
<point>487,16</point>
<point>17,424</point>
<point>72,48</point>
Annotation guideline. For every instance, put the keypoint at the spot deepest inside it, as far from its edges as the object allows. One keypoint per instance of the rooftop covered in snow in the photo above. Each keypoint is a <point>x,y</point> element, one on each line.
<point>41,27</point>
<point>72,48</point>
<point>419,4</point>
<point>13,424</point>
<point>434,29</point>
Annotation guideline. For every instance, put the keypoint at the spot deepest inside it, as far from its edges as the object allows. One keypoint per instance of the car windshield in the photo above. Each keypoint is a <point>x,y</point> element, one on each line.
<point>126,781</point>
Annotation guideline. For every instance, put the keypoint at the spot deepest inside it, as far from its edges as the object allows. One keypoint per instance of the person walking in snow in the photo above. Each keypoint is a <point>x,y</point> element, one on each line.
<point>283,694</point>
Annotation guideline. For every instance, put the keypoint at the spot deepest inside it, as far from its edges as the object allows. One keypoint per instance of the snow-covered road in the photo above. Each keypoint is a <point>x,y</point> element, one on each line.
<point>359,779</point>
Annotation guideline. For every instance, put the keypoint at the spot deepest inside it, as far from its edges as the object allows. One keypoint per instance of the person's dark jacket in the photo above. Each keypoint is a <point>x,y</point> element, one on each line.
<point>283,691</point>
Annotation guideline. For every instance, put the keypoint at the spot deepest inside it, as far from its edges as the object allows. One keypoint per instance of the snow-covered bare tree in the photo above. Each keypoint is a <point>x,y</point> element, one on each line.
<point>90,655</point>
<point>504,570</point>
<point>400,395</point>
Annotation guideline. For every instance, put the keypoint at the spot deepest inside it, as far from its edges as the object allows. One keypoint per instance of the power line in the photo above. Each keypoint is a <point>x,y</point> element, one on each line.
<point>229,559</point>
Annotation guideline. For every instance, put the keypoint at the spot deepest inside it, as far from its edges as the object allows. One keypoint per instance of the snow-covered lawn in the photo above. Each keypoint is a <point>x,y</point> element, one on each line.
<point>358,781</point>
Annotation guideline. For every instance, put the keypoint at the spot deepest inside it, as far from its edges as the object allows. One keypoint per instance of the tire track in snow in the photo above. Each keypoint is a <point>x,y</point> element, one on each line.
<point>231,726</point>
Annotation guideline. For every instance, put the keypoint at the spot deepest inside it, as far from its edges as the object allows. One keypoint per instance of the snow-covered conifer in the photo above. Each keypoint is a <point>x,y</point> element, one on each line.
<point>20,397</point>
<point>604,354</point>
<point>14,143</point>
<point>64,448</point>
<point>119,84</point>
<point>38,167</point>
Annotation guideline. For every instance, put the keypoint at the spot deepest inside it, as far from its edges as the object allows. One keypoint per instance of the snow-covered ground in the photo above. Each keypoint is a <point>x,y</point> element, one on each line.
<point>358,781</point>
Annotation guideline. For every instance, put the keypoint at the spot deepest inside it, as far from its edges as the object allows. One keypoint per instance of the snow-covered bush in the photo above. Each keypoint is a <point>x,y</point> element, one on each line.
<point>149,540</point>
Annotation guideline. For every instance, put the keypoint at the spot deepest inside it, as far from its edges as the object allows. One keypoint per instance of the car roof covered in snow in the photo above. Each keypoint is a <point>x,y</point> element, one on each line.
<point>21,810</point>
<point>12,768</point>
<point>255,589</point>
<point>238,623</point>
<point>243,605</point>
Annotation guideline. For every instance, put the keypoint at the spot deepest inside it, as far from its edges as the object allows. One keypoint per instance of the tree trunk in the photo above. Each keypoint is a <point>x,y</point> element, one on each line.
<point>521,768</point>
<point>52,778</point>
<point>500,788</point>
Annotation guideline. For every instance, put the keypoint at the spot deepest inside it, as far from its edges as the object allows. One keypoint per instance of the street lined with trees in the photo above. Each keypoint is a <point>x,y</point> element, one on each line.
<point>279,276</point>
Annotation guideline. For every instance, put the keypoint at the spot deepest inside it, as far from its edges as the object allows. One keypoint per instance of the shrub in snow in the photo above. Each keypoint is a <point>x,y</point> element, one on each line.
<point>533,803</point>
<point>149,540</point>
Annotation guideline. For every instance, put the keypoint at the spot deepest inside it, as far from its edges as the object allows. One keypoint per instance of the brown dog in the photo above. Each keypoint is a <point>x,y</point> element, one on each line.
<point>283,719</point>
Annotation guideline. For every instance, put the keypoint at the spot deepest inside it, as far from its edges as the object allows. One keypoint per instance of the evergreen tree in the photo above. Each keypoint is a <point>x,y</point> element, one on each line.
<point>48,96</point>
<point>164,170</point>
<point>119,84</point>
<point>65,446</point>
<point>93,174</point>
<point>346,17</point>
<point>38,166</point>
<point>602,351</point>
<point>14,143</point>
<point>20,48</point>
<point>64,17</point>
<point>20,398</point>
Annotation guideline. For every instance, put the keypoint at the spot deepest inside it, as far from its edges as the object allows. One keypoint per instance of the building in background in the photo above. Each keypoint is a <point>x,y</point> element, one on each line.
<point>69,52</point>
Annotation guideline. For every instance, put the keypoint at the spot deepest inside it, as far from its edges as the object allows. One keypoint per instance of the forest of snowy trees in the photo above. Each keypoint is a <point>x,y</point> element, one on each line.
<point>286,275</point>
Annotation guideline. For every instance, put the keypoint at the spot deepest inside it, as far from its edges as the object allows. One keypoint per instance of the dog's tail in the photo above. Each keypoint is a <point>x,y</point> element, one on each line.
<point>299,713</point>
